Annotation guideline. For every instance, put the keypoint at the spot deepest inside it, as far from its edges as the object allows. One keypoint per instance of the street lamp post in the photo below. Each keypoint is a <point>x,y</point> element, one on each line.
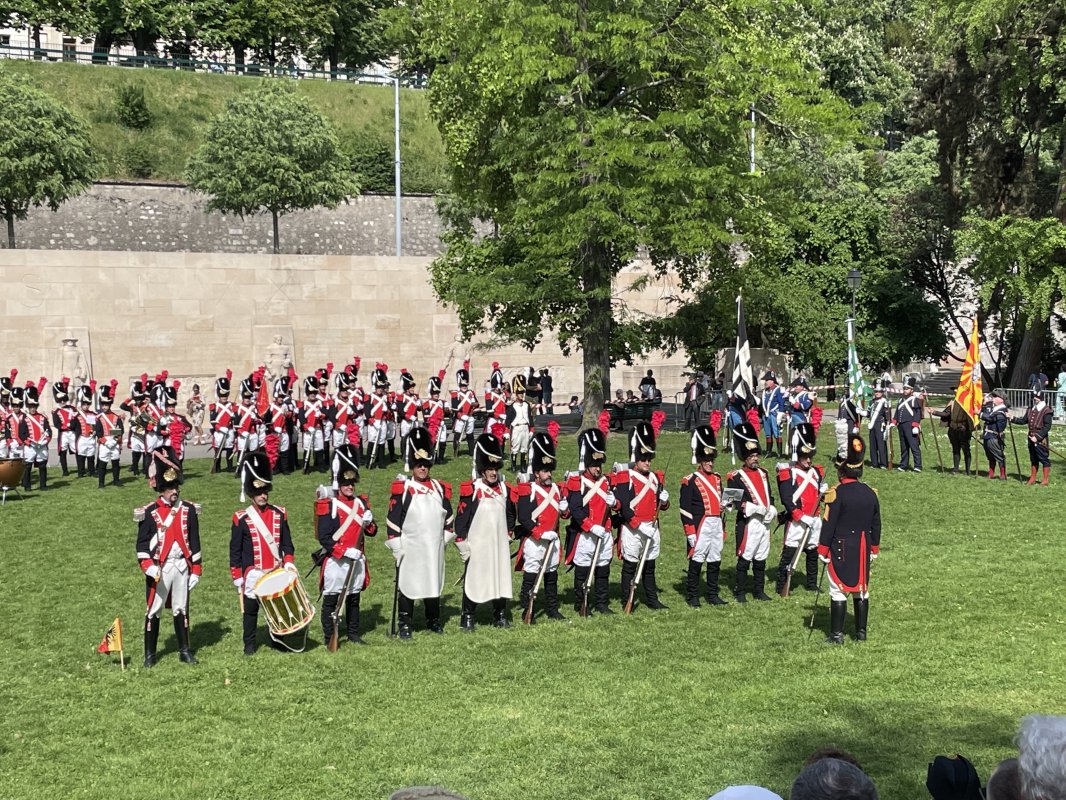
<point>854,282</point>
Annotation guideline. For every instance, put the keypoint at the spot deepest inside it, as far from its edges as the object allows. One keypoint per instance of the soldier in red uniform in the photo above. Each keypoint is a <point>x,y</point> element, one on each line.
<point>849,542</point>
<point>342,522</point>
<point>344,416</point>
<point>85,430</point>
<point>801,486</point>
<point>168,550</point>
<point>377,410</point>
<point>109,431</point>
<point>6,385</point>
<point>246,422</point>
<point>222,416</point>
<point>173,427</point>
<point>591,502</point>
<point>408,407</point>
<point>464,403</point>
<point>277,432</point>
<point>496,398</point>
<point>326,402</point>
<point>641,495</point>
<point>312,421</point>
<point>539,506</point>
<point>35,434</point>
<point>755,515</point>
<point>1038,420</point>
<point>10,436</point>
<point>260,542</point>
<point>63,422</point>
<point>434,413</point>
<point>700,505</point>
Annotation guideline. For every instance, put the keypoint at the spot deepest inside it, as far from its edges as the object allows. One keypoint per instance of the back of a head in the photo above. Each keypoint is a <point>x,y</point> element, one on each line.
<point>1042,757</point>
<point>1005,782</point>
<point>832,779</point>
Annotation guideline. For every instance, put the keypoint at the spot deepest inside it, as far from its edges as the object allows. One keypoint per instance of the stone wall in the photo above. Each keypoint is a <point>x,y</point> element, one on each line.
<point>170,218</point>
<point>196,314</point>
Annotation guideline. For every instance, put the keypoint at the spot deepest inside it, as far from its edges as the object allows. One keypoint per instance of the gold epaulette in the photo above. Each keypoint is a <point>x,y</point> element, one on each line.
<point>829,498</point>
<point>140,512</point>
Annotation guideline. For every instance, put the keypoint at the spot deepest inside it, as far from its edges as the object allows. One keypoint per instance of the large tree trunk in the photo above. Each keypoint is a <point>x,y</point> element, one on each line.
<point>102,47</point>
<point>10,230</point>
<point>596,331</point>
<point>1027,360</point>
<point>274,217</point>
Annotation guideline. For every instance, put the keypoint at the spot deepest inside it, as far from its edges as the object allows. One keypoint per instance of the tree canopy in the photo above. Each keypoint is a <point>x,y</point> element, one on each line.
<point>45,154</point>
<point>271,151</point>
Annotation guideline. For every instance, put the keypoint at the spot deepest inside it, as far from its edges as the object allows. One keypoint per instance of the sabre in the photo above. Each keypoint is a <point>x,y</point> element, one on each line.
<point>814,608</point>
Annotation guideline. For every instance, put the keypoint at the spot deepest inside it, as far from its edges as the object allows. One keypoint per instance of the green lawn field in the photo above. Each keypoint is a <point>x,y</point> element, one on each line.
<point>967,634</point>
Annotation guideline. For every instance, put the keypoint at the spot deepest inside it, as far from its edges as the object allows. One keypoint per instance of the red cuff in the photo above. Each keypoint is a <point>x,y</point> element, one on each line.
<point>823,550</point>
<point>197,569</point>
<point>690,530</point>
<point>287,559</point>
<point>145,564</point>
<point>338,550</point>
<point>235,572</point>
<point>875,549</point>
<point>797,514</point>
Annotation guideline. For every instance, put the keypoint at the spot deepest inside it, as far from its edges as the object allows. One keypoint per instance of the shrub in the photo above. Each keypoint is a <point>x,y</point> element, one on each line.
<point>140,159</point>
<point>131,108</point>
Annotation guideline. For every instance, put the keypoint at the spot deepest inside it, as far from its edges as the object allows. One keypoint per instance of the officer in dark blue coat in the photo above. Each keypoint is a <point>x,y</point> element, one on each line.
<point>908,419</point>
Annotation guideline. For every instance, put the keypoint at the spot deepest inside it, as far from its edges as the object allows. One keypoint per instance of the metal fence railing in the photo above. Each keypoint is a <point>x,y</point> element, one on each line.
<point>1020,399</point>
<point>111,58</point>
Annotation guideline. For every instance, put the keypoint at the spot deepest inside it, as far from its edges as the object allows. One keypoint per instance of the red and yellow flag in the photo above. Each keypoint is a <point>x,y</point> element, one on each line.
<point>112,642</point>
<point>970,395</point>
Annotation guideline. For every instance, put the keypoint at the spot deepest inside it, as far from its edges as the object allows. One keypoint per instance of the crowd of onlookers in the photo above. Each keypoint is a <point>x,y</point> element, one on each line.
<point>1038,772</point>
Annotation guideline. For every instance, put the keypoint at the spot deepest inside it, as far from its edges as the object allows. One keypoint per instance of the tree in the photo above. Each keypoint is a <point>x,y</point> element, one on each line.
<point>355,34</point>
<point>270,150</point>
<point>45,153</point>
<point>590,133</point>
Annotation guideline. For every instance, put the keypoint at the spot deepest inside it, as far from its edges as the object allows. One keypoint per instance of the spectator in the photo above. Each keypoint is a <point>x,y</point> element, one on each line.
<point>575,406</point>
<point>718,393</point>
<point>832,779</point>
<point>693,397</point>
<point>1005,782</point>
<point>630,397</point>
<point>647,386</point>
<point>546,391</point>
<point>831,752</point>
<point>953,779</point>
<point>1060,394</point>
<point>1042,757</point>
<point>534,391</point>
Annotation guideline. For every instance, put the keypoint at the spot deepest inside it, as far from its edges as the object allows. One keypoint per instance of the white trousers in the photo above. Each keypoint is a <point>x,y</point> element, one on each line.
<point>533,553</point>
<point>836,593</point>
<point>709,541</point>
<point>174,584</point>
<point>110,449</point>
<point>313,440</point>
<point>67,442</point>
<point>464,426</point>
<point>223,439</point>
<point>586,546</point>
<point>794,532</point>
<point>756,541</point>
<point>86,446</point>
<point>35,453</point>
<point>335,573</point>
<point>633,544</point>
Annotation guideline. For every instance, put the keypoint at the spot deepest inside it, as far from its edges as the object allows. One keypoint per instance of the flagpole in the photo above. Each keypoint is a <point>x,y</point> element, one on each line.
<point>121,645</point>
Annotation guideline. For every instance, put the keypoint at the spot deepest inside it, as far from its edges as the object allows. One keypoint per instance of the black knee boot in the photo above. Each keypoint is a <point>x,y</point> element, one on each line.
<point>692,584</point>
<point>392,450</point>
<point>528,580</point>
<point>406,608</point>
<point>439,459</point>
<point>551,594</point>
<point>135,463</point>
<point>116,480</point>
<point>713,568</point>
<point>329,608</point>
<point>758,574</point>
<point>90,464</point>
<point>837,610</point>
<point>629,571</point>
<point>27,471</point>
<point>455,446</point>
<point>151,639</point>
<point>250,623</point>
<point>229,459</point>
<point>862,611</point>
<point>466,615</point>
<point>811,584</point>
<point>63,462</point>
<point>740,585</point>
<point>582,575</point>
<point>782,568</point>
<point>499,613</point>
<point>433,623</point>
<point>181,630</point>
<point>101,471</point>
<point>470,445</point>
<point>603,575</point>
<point>351,618</point>
<point>651,590</point>
<point>42,476</point>
<point>80,459</point>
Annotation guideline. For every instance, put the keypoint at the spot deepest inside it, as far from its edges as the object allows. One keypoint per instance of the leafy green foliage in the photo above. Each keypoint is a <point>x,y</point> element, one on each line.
<point>131,108</point>
<point>271,151</point>
<point>140,158</point>
<point>466,711</point>
<point>45,155</point>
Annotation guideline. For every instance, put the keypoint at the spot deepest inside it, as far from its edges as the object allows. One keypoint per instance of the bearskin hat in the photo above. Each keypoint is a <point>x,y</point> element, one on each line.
<point>164,473</point>
<point>592,448</point>
<point>407,379</point>
<point>488,453</point>
<point>746,440</point>
<point>642,442</point>
<point>855,456</point>
<point>17,395</point>
<point>85,394</point>
<point>419,448</point>
<point>346,465</point>
<point>106,395</point>
<point>33,397</point>
<point>381,376</point>
<point>436,382</point>
<point>542,453</point>
<point>222,384</point>
<point>704,444</point>
<point>61,390</point>
<point>257,475</point>
<point>807,439</point>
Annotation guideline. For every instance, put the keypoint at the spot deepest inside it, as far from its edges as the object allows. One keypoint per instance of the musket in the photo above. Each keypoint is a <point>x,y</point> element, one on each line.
<point>786,587</point>
<point>588,581</point>
<point>527,615</point>
<point>332,645</point>
<point>309,446</point>
<point>1014,447</point>
<point>888,441</point>
<point>395,598</point>
<point>814,608</point>
<point>636,578</point>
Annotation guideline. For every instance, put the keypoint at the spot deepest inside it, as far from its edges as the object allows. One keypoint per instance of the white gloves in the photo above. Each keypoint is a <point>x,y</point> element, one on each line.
<point>770,515</point>
<point>464,550</point>
<point>873,556</point>
<point>647,529</point>
<point>823,488</point>
<point>449,536</point>
<point>368,517</point>
<point>291,567</point>
<point>351,553</point>
<point>808,521</point>
<point>915,429</point>
<point>691,540</point>
<point>563,506</point>
<point>823,559</point>
<point>753,510</point>
<point>549,536</point>
<point>598,530</point>
<point>152,572</point>
<point>238,582</point>
<point>193,580</point>
<point>395,544</point>
<point>611,499</point>
<point>664,496</point>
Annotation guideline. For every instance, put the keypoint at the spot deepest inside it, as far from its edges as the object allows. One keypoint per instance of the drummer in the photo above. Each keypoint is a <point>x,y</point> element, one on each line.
<point>260,542</point>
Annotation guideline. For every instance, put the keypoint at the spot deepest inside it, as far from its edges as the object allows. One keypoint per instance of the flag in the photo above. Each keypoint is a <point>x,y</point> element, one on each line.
<point>970,395</point>
<point>112,642</point>
<point>742,380</point>
<point>856,382</point>
<point>262,402</point>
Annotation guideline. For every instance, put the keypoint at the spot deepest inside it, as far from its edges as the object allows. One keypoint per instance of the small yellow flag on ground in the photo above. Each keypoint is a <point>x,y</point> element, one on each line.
<point>112,642</point>
<point>970,395</point>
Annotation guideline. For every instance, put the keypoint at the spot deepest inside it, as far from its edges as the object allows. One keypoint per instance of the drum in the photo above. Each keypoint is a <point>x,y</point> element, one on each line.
<point>284,601</point>
<point>11,472</point>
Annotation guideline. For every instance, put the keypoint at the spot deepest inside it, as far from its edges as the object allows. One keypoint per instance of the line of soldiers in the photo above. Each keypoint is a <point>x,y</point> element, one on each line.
<point>606,516</point>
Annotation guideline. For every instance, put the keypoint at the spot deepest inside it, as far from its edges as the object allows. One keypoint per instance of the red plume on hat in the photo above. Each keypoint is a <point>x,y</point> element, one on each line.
<point>165,374</point>
<point>41,384</point>
<point>144,380</point>
<point>229,375</point>
<point>657,420</point>
<point>816,418</point>
<point>498,431</point>
<point>553,431</point>
<point>292,376</point>
<point>495,364</point>
<point>177,385</point>
<point>329,368</point>
<point>114,383</point>
<point>753,417</point>
<point>466,364</point>
<point>92,385</point>
<point>64,380</point>
<point>716,421</point>
<point>604,422</point>
<point>14,372</point>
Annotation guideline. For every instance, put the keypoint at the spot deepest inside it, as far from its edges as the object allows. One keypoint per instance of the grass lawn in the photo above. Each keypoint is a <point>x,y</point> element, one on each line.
<point>967,634</point>
<point>182,105</point>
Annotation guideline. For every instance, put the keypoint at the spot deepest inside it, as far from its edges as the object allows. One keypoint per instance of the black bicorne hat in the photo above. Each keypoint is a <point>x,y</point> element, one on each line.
<point>704,444</point>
